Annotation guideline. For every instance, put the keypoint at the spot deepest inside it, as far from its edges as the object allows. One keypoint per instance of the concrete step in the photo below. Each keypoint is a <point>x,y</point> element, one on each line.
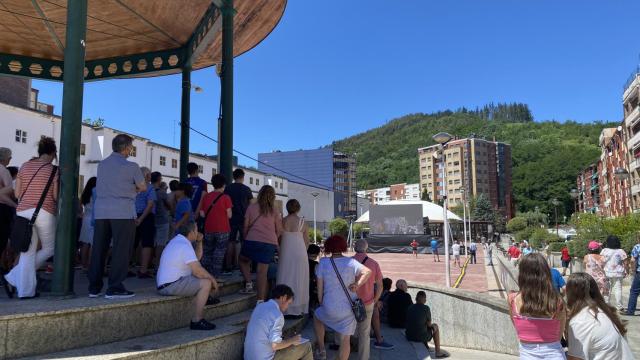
<point>57,325</point>
<point>225,342</point>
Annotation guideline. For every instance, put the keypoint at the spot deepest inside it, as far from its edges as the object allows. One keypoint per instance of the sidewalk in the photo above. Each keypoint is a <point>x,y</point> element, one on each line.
<point>405,350</point>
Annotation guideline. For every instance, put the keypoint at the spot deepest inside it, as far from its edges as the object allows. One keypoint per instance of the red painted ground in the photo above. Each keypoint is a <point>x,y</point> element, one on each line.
<point>425,270</point>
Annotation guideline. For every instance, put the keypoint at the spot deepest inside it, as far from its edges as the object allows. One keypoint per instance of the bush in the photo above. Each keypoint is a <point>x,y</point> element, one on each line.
<point>578,247</point>
<point>556,246</point>
<point>524,234</point>
<point>339,226</point>
<point>358,229</point>
<point>315,237</point>
<point>516,224</point>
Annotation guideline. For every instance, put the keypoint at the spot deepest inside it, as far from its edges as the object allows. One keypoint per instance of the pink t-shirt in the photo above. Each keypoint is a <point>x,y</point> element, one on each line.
<point>265,228</point>
<point>366,292</point>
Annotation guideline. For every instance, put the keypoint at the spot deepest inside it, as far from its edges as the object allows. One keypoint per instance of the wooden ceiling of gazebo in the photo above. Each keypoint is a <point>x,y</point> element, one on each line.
<point>121,28</point>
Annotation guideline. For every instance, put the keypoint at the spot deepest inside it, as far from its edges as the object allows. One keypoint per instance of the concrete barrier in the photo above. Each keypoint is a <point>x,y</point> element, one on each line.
<point>470,320</point>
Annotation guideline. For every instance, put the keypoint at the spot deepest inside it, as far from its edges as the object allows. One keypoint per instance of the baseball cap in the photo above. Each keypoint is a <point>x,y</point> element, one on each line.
<point>593,245</point>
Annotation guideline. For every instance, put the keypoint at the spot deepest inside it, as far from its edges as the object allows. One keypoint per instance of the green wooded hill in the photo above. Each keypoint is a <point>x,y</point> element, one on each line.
<point>546,155</point>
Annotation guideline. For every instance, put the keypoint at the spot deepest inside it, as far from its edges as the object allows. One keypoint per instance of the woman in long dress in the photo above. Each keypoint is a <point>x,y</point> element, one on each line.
<point>594,265</point>
<point>293,267</point>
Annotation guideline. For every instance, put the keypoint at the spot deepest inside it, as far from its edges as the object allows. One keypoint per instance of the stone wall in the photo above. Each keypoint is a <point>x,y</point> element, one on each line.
<point>470,320</point>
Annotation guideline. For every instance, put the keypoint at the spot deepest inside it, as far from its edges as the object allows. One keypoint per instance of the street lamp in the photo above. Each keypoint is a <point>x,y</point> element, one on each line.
<point>555,203</point>
<point>443,138</point>
<point>464,222</point>
<point>574,193</point>
<point>315,229</point>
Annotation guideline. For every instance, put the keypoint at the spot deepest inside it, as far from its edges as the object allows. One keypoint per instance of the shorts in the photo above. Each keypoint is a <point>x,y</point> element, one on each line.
<point>236,235</point>
<point>162,234</point>
<point>185,286</point>
<point>456,256</point>
<point>414,249</point>
<point>258,251</point>
<point>146,232</point>
<point>434,251</point>
<point>565,263</point>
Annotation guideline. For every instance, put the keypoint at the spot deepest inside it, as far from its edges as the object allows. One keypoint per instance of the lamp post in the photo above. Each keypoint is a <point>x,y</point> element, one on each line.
<point>555,203</point>
<point>315,229</point>
<point>574,195</point>
<point>464,222</point>
<point>443,138</point>
<point>622,174</point>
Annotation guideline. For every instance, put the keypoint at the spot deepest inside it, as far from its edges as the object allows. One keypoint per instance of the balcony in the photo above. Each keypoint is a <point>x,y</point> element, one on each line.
<point>635,189</point>
<point>633,117</point>
<point>633,141</point>
<point>634,164</point>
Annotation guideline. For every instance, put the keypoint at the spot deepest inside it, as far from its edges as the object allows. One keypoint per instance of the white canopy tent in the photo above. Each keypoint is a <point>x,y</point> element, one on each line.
<point>430,210</point>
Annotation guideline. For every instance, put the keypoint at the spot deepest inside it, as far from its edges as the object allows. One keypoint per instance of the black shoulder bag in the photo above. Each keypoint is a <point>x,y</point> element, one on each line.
<point>206,214</point>
<point>22,229</point>
<point>357,306</point>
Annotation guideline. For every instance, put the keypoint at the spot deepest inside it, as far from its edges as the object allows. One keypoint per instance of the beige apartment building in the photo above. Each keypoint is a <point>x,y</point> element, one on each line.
<point>473,166</point>
<point>631,130</point>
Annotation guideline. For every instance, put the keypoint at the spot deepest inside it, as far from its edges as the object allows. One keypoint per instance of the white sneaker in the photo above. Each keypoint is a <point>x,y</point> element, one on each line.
<point>248,289</point>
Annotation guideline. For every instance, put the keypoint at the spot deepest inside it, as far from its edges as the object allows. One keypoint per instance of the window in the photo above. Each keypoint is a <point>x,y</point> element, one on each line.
<point>275,184</point>
<point>251,180</point>
<point>134,152</point>
<point>174,163</point>
<point>163,161</point>
<point>214,171</point>
<point>21,136</point>
<point>83,149</point>
<point>281,187</point>
<point>257,182</point>
<point>200,169</point>
<point>80,184</point>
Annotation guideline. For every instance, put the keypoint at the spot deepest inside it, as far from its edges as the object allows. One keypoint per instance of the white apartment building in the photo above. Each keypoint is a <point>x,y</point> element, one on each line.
<point>393,192</point>
<point>23,128</point>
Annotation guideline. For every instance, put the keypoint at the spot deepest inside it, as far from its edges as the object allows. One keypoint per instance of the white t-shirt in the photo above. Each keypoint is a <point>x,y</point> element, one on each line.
<point>455,248</point>
<point>596,339</point>
<point>175,260</point>
<point>614,262</point>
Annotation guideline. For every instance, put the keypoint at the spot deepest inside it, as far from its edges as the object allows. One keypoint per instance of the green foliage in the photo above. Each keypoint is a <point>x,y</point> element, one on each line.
<point>557,246</point>
<point>358,228</point>
<point>524,234</point>
<point>540,237</point>
<point>516,224</point>
<point>458,210</point>
<point>339,226</point>
<point>99,122</point>
<point>425,195</point>
<point>483,210</point>
<point>593,227</point>
<point>315,237</point>
<point>546,156</point>
<point>535,218</point>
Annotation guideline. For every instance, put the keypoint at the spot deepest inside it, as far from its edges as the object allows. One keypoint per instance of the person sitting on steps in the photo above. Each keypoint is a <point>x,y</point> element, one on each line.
<point>419,326</point>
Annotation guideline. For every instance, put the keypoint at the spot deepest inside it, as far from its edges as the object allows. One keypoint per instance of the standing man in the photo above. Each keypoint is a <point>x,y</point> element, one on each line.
<point>264,332</point>
<point>473,247</point>
<point>489,250</point>
<point>455,250</point>
<point>145,224</point>
<point>434,250</point>
<point>199,189</point>
<point>162,214</point>
<point>241,196</point>
<point>635,286</point>
<point>565,258</point>
<point>414,248</point>
<point>119,180</point>
<point>7,202</point>
<point>369,293</point>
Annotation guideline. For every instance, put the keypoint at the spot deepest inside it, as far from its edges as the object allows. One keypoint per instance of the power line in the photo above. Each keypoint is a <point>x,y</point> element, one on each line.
<point>263,163</point>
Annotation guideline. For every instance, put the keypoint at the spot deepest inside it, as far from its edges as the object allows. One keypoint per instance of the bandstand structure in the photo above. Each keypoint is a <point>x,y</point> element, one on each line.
<point>74,41</point>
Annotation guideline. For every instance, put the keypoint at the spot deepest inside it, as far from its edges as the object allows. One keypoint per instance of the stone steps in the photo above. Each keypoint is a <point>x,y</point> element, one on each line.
<point>49,325</point>
<point>225,342</point>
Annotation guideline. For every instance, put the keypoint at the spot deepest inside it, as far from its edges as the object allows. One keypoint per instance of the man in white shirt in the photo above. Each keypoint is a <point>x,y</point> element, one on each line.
<point>180,273</point>
<point>263,340</point>
<point>473,247</point>
<point>455,250</point>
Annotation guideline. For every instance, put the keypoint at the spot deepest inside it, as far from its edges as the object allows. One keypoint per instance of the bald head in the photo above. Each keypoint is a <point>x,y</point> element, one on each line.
<point>402,285</point>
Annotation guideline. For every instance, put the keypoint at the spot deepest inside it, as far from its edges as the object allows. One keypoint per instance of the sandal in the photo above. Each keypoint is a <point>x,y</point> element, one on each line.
<point>319,354</point>
<point>442,355</point>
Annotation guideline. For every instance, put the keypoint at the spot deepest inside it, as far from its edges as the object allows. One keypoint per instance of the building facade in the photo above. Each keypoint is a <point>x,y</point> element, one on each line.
<point>392,192</point>
<point>631,129</point>
<point>589,190</point>
<point>473,166</point>
<point>322,167</point>
<point>613,191</point>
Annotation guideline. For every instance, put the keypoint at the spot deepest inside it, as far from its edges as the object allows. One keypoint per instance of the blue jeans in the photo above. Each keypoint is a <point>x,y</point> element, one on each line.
<point>633,294</point>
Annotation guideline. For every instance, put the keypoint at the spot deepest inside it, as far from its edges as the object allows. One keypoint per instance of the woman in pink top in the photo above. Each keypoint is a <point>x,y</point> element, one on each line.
<point>262,228</point>
<point>537,311</point>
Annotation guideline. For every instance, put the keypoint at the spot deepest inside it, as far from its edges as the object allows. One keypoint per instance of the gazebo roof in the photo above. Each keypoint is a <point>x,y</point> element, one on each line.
<point>128,38</point>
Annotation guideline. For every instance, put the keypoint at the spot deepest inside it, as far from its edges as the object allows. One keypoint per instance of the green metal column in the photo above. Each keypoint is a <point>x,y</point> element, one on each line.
<point>225,126</point>
<point>71,128</point>
<point>185,122</point>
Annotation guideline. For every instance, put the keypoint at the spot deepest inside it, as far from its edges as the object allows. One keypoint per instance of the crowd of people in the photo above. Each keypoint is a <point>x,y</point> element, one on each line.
<point>186,239</point>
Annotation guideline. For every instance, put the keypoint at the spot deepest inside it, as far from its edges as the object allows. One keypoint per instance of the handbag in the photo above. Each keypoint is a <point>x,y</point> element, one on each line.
<point>357,306</point>
<point>206,214</point>
<point>22,229</point>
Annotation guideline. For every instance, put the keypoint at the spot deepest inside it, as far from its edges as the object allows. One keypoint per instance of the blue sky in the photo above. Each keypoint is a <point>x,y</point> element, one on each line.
<point>336,68</point>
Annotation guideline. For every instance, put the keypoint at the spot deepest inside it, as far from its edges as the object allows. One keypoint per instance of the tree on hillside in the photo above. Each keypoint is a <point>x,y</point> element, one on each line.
<point>483,210</point>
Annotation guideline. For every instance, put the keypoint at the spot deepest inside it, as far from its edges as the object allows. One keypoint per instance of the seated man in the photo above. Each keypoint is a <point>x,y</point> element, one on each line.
<point>398,302</point>
<point>264,332</point>
<point>181,274</point>
<point>419,326</point>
